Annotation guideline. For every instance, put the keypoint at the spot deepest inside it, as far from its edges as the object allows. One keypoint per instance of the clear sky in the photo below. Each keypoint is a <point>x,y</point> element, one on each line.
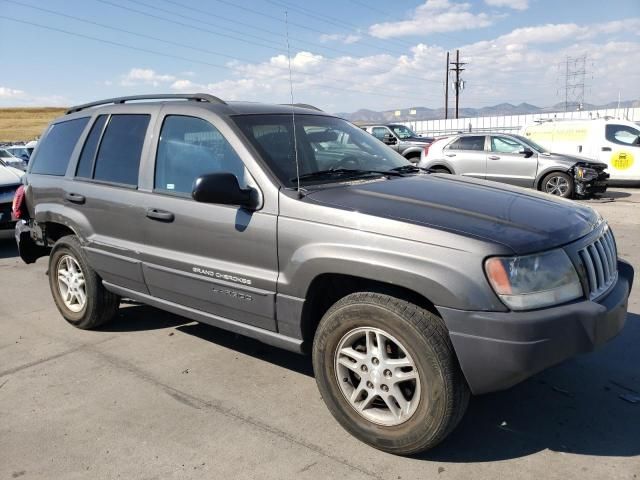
<point>345,54</point>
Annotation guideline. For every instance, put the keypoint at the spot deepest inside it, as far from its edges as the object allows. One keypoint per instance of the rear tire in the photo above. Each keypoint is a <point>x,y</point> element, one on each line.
<point>398,409</point>
<point>77,289</point>
<point>559,184</point>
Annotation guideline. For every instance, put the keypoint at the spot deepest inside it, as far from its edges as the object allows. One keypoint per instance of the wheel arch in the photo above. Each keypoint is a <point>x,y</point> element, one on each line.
<point>327,288</point>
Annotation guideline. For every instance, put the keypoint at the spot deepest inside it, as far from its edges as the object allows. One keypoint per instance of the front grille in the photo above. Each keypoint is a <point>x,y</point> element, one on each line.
<point>600,260</point>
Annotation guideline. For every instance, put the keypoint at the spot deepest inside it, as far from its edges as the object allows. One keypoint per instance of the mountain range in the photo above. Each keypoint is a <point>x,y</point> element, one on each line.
<point>424,113</point>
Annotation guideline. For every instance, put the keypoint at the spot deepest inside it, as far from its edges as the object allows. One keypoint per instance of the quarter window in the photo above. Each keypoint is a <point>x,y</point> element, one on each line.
<point>188,148</point>
<point>468,143</point>
<point>118,159</point>
<point>622,134</point>
<point>57,146</point>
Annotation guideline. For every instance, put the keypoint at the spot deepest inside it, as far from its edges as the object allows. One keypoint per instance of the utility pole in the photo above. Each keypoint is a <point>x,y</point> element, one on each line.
<point>574,74</point>
<point>458,84</point>
<point>446,89</point>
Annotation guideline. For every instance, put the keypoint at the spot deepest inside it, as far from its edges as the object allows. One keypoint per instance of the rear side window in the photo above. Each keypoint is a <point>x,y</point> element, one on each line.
<point>85,165</point>
<point>188,148</point>
<point>118,157</point>
<point>468,143</point>
<point>56,147</point>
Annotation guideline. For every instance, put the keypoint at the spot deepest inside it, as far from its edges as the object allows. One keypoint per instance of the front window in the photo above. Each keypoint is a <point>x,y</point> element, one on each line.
<point>535,146</point>
<point>5,154</point>
<point>622,134</point>
<point>188,148</point>
<point>322,144</point>
<point>403,132</point>
<point>505,145</point>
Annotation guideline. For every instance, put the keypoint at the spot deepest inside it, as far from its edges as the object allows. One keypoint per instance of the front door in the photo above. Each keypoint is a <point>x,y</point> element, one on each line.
<point>507,162</point>
<point>621,151</point>
<point>217,259</point>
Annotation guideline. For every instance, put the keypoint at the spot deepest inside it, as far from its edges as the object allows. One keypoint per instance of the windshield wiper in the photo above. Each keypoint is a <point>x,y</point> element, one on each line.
<point>410,169</point>
<point>344,172</point>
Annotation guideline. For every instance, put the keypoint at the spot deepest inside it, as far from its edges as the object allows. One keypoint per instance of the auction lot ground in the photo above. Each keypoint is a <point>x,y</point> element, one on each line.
<point>156,396</point>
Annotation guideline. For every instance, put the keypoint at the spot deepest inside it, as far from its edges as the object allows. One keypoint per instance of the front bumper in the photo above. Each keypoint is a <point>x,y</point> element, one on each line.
<point>592,187</point>
<point>497,350</point>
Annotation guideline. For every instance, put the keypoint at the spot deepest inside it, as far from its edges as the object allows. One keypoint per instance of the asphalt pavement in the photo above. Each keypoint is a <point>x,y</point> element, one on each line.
<point>153,395</point>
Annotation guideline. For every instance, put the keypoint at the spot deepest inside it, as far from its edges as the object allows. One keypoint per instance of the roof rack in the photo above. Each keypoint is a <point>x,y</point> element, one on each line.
<point>302,105</point>
<point>196,97</point>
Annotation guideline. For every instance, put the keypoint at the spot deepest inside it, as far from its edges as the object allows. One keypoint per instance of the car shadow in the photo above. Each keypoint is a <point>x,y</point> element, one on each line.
<point>574,408</point>
<point>136,317</point>
<point>615,194</point>
<point>8,247</point>
<point>248,346</point>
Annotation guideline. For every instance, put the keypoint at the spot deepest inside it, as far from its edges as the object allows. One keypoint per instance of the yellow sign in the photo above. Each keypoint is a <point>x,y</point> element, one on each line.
<point>621,160</point>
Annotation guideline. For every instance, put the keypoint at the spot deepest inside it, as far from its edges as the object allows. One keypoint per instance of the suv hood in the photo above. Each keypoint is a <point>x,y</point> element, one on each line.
<point>417,140</point>
<point>523,220</point>
<point>10,176</point>
<point>571,160</point>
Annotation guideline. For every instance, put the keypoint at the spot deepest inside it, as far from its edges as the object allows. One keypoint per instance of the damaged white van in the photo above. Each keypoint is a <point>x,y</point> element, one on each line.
<point>612,141</point>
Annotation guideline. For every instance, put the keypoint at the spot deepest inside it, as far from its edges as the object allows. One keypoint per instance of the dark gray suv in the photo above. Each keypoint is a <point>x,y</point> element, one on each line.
<point>411,290</point>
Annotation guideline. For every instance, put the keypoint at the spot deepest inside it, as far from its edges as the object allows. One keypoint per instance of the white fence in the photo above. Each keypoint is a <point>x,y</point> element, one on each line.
<point>512,123</point>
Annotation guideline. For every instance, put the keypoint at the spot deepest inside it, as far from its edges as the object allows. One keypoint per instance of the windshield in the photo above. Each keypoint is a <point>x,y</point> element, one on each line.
<point>323,143</point>
<point>538,148</point>
<point>5,154</point>
<point>403,132</point>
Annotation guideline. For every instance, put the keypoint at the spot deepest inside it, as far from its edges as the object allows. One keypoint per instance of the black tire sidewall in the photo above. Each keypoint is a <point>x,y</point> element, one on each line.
<point>425,424</point>
<point>566,176</point>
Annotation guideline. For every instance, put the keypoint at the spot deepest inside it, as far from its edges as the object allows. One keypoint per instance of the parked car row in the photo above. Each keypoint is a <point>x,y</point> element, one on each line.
<point>10,180</point>
<point>410,290</point>
<point>520,161</point>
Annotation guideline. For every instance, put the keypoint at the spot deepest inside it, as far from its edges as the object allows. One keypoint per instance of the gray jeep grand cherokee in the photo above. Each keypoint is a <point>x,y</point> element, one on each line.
<point>411,290</point>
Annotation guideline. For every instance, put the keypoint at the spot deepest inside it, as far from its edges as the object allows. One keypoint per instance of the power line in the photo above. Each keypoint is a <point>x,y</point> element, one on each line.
<point>169,20</point>
<point>191,60</point>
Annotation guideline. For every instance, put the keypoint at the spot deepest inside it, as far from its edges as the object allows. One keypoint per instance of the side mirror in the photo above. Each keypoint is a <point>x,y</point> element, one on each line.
<point>527,152</point>
<point>389,139</point>
<point>224,189</point>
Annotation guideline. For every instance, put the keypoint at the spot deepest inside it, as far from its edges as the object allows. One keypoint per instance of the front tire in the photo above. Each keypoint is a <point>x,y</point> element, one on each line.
<point>387,371</point>
<point>77,289</point>
<point>559,184</point>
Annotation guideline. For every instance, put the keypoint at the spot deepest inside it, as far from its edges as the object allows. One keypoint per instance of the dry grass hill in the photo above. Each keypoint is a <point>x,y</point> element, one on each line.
<point>24,124</point>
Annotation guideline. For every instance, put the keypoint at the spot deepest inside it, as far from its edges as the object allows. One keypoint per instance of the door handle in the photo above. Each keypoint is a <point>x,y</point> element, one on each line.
<point>75,198</point>
<point>161,215</point>
<point>493,157</point>
<point>606,149</point>
<point>450,154</point>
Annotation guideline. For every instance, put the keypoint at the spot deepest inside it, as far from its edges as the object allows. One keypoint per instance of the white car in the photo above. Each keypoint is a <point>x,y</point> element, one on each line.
<point>10,160</point>
<point>10,180</point>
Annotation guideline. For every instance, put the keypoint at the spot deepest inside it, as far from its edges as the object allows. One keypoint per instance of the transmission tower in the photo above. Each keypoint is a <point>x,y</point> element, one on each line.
<point>575,70</point>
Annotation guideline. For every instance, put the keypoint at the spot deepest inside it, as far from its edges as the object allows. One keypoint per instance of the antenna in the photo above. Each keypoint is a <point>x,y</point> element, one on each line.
<point>293,108</point>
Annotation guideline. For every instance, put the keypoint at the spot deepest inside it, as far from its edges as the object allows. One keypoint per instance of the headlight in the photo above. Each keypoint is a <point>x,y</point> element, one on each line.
<point>534,281</point>
<point>585,174</point>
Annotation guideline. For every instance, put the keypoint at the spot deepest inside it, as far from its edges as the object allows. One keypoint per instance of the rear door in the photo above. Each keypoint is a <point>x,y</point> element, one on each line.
<point>104,194</point>
<point>467,155</point>
<point>218,259</point>
<point>506,163</point>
